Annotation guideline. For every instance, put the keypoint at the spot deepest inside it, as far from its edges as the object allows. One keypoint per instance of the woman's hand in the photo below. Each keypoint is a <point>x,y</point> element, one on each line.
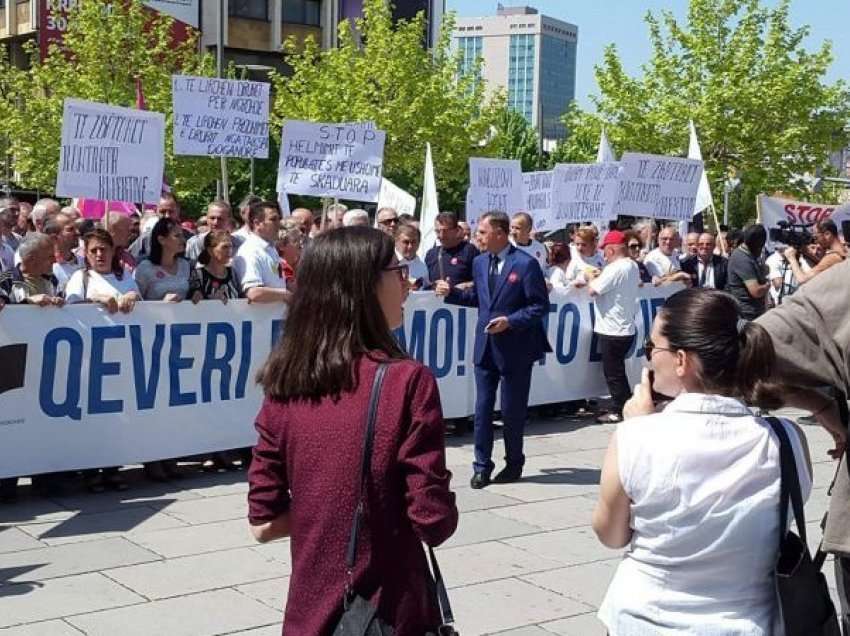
<point>127,302</point>
<point>641,401</point>
<point>221,295</point>
<point>172,298</point>
<point>110,304</point>
<point>197,297</point>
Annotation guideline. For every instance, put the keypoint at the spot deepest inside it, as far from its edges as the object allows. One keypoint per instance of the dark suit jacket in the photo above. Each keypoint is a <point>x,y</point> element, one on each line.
<point>690,266</point>
<point>520,294</point>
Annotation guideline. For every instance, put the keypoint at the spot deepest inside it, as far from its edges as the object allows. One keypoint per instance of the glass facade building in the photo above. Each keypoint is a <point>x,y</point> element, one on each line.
<point>470,51</point>
<point>557,83</point>
<point>521,75</point>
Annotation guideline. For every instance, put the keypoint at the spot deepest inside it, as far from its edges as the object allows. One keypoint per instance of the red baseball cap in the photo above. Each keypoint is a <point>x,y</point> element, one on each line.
<point>614,237</point>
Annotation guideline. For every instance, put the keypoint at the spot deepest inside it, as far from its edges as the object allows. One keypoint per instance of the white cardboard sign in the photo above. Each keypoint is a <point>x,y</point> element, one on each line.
<point>391,196</point>
<point>331,160</point>
<point>494,185</point>
<point>584,192</point>
<point>538,199</point>
<point>220,118</point>
<point>659,187</point>
<point>110,153</point>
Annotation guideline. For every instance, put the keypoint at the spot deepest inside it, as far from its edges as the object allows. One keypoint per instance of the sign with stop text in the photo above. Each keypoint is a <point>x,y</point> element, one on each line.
<point>775,210</point>
<point>331,160</point>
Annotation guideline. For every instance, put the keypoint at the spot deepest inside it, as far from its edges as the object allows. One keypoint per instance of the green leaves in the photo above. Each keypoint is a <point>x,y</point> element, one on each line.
<point>742,73</point>
<point>105,50</point>
<point>383,73</point>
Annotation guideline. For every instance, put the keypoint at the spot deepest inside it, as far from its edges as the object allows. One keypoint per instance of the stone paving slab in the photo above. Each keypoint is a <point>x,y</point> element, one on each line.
<point>63,597</point>
<point>212,613</point>
<point>55,561</point>
<point>178,559</point>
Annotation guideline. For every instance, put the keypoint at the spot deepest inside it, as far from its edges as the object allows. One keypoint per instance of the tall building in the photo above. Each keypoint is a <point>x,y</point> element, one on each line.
<point>531,56</point>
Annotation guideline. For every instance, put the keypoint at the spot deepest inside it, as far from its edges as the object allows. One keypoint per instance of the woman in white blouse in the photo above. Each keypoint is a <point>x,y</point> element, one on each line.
<point>103,280</point>
<point>165,273</point>
<point>693,490</point>
<point>586,258</point>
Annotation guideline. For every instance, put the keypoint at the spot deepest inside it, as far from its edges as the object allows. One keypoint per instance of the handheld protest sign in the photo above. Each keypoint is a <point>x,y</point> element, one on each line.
<point>110,152</point>
<point>216,117</point>
<point>331,160</point>
<point>584,192</point>
<point>538,199</point>
<point>494,185</point>
<point>656,186</point>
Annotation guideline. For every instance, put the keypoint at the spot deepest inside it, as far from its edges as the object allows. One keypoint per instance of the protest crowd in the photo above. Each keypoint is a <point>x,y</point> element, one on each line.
<point>51,256</point>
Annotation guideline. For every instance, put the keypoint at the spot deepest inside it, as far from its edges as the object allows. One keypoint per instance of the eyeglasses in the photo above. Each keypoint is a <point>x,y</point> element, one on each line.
<point>403,272</point>
<point>650,348</point>
<point>634,246</point>
<point>388,221</point>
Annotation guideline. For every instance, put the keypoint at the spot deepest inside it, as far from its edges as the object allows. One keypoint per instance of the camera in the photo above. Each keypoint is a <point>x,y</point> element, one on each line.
<point>797,236</point>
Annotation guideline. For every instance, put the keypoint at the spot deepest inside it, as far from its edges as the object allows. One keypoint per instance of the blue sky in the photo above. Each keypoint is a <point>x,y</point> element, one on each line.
<point>602,22</point>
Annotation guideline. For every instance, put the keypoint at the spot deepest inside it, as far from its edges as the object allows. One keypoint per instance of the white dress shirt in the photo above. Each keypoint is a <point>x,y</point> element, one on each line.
<point>257,264</point>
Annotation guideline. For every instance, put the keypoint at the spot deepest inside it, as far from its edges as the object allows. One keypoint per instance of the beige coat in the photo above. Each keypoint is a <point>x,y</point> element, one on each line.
<point>811,334</point>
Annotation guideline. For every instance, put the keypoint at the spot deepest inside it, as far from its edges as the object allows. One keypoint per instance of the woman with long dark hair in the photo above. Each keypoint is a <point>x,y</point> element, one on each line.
<point>305,475</point>
<point>693,490</point>
<point>165,273</point>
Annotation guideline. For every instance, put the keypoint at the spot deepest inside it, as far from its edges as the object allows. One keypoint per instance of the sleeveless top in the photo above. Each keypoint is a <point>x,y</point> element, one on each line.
<point>703,478</point>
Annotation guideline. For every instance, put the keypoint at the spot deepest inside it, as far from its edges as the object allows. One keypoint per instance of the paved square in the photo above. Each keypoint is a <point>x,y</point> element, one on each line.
<point>179,560</point>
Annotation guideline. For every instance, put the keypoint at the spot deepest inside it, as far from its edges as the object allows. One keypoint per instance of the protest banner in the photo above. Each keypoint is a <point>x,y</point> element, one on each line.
<point>584,192</point>
<point>216,117</point>
<point>331,160</point>
<point>110,153</point>
<point>495,185</point>
<point>538,199</point>
<point>82,388</point>
<point>775,210</point>
<point>391,196</point>
<point>658,187</point>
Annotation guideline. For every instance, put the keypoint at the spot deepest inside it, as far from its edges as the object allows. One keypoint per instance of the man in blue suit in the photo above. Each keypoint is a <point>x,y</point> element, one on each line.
<point>511,297</point>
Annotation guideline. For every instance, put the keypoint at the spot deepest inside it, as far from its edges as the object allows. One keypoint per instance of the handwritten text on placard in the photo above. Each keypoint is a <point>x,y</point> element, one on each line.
<point>110,153</point>
<point>220,118</point>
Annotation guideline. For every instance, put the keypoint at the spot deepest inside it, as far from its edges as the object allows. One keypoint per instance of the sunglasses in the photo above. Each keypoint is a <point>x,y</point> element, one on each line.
<point>388,221</point>
<point>403,272</point>
<point>650,348</point>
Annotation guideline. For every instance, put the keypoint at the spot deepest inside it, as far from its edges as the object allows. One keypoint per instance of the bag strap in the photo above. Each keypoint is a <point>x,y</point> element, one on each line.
<point>789,483</point>
<point>446,614</point>
<point>365,468</point>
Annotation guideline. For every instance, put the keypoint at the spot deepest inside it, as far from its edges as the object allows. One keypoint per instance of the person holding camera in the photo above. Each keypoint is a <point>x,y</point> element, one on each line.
<point>781,276</point>
<point>826,235</point>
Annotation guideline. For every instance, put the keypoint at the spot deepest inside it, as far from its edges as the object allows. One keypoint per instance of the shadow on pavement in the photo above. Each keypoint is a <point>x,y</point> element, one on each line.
<point>17,588</point>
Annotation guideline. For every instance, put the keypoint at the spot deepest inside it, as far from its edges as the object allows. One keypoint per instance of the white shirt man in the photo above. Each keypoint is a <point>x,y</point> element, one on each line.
<point>521,226</point>
<point>616,297</point>
<point>257,263</point>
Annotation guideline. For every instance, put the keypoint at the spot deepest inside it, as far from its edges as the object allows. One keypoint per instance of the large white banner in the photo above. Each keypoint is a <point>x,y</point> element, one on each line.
<point>584,193</point>
<point>391,196</point>
<point>331,160</point>
<point>658,186</point>
<point>494,185</point>
<point>110,153</point>
<point>775,210</point>
<point>538,199</point>
<point>220,118</point>
<point>81,388</point>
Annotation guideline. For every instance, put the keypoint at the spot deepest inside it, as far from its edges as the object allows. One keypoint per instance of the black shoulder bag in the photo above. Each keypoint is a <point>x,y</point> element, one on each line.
<point>804,602</point>
<point>359,617</point>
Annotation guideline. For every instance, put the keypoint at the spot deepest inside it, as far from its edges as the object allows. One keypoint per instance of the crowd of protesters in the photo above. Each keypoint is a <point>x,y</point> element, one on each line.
<point>51,256</point>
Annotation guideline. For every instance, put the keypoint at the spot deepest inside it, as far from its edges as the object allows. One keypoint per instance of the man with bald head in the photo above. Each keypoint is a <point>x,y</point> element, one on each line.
<point>62,229</point>
<point>42,210</point>
<point>706,269</point>
<point>305,221</point>
<point>218,217</point>
<point>691,241</point>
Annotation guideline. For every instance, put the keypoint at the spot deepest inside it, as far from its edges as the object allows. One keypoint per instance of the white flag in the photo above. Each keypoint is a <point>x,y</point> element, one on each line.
<point>430,208</point>
<point>605,153</point>
<point>703,199</point>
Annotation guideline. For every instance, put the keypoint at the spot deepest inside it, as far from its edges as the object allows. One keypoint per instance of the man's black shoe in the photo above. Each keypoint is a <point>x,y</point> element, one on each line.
<point>480,480</point>
<point>508,474</point>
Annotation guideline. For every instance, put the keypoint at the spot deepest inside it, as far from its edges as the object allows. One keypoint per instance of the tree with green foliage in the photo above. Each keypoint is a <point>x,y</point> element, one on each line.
<point>107,47</point>
<point>514,138</point>
<point>741,71</point>
<point>382,72</point>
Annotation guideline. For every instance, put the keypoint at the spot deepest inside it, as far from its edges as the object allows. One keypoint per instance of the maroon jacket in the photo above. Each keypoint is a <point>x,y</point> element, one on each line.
<point>307,461</point>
